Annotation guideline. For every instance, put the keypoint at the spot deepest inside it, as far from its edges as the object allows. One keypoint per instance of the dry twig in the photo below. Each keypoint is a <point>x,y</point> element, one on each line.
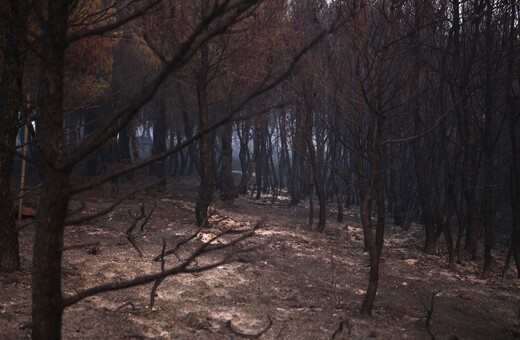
<point>249,336</point>
<point>429,310</point>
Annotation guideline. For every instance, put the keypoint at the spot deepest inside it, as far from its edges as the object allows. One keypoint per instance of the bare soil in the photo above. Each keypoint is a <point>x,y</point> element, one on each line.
<point>310,285</point>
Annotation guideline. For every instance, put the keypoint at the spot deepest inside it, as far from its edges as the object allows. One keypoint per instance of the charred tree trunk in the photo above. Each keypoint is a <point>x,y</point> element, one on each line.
<point>449,208</point>
<point>397,206</point>
<point>420,165</point>
<point>374,188</point>
<point>206,187</point>
<point>159,140</point>
<point>298,151</point>
<point>123,145</point>
<point>261,162</point>
<point>92,166</point>
<point>317,176</point>
<point>459,86</point>
<point>47,304</point>
<point>12,29</point>
<point>228,186</point>
<point>188,129</point>
<point>489,145</point>
<point>424,190</point>
<point>284,161</point>
<point>514,125</point>
<point>216,160</point>
<point>247,161</point>
<point>335,158</point>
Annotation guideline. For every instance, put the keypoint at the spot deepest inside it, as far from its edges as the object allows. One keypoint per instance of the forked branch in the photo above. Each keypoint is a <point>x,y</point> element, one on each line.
<point>186,266</point>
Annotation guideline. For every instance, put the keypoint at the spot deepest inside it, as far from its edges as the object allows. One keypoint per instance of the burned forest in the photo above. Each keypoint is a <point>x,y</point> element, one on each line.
<point>260,169</point>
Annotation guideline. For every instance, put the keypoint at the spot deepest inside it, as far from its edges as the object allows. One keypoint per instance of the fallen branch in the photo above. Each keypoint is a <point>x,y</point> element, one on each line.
<point>429,311</point>
<point>184,267</point>
<point>103,212</point>
<point>153,292</point>
<point>185,240</point>
<point>147,217</point>
<point>125,305</point>
<point>142,216</point>
<point>249,336</point>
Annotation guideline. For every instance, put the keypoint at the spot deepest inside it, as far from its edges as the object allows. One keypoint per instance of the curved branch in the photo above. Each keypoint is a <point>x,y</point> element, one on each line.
<point>249,336</point>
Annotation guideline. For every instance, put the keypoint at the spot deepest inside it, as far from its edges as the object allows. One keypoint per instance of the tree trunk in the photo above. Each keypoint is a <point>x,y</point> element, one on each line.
<point>489,191</point>
<point>248,162</point>
<point>260,165</point>
<point>188,129</point>
<point>460,93</point>
<point>91,122</point>
<point>284,163</point>
<point>12,45</point>
<point>159,140</point>
<point>206,187</point>
<point>420,165</point>
<point>375,245</point>
<point>228,185</point>
<point>318,180</point>
<point>47,306</point>
<point>514,126</point>
<point>298,150</point>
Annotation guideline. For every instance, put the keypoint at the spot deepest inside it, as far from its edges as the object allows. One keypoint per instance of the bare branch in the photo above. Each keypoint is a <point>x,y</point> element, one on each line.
<point>103,212</point>
<point>158,281</point>
<point>139,12</point>
<point>425,132</point>
<point>183,267</point>
<point>184,240</point>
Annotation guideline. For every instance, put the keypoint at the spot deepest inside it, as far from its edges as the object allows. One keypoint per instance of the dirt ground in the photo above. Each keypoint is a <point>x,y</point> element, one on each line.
<point>305,285</point>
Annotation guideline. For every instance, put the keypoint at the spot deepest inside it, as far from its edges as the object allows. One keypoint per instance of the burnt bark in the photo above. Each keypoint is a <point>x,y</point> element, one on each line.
<point>159,140</point>
<point>228,185</point>
<point>188,127</point>
<point>374,190</point>
<point>489,202</point>
<point>206,187</point>
<point>12,29</point>
<point>317,175</point>
<point>247,162</point>
<point>460,92</point>
<point>298,151</point>
<point>47,303</point>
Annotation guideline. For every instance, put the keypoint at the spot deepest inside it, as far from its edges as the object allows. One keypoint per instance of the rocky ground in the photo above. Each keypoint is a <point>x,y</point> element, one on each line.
<point>284,282</point>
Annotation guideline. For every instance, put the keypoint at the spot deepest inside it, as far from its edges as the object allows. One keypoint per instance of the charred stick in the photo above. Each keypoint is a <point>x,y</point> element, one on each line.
<point>153,292</point>
<point>249,336</point>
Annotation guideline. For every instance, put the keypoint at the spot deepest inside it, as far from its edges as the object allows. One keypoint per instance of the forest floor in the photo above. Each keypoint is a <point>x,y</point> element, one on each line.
<point>304,284</point>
